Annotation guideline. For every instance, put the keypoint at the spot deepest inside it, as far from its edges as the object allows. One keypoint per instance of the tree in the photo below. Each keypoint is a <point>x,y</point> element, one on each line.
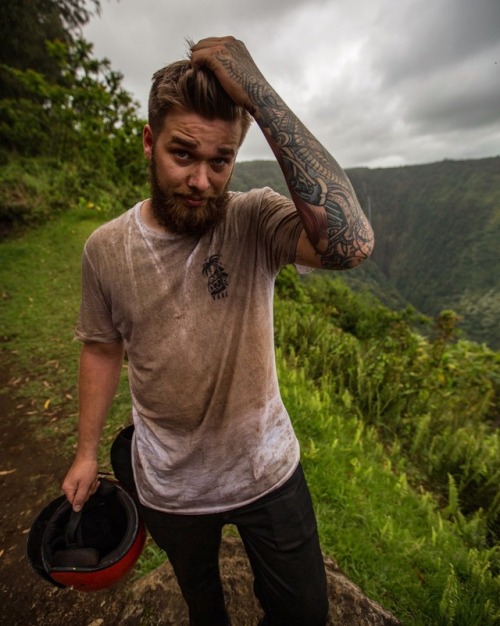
<point>85,117</point>
<point>26,27</point>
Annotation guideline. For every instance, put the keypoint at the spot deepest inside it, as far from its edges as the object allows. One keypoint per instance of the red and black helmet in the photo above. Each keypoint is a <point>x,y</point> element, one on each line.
<point>90,550</point>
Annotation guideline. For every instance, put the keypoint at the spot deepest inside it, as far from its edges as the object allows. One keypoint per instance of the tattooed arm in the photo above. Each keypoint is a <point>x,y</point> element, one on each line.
<point>336,233</point>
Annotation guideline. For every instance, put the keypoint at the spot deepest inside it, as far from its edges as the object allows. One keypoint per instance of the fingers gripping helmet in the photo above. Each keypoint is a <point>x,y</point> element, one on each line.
<point>90,550</point>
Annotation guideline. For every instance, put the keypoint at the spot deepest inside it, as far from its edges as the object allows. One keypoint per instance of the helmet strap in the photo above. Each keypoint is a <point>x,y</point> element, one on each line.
<point>73,535</point>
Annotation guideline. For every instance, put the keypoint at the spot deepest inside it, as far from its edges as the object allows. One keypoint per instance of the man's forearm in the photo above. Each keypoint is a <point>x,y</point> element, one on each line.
<point>100,368</point>
<point>323,195</point>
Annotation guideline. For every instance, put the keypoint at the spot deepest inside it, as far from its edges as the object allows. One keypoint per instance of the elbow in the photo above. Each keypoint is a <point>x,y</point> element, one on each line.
<point>348,248</point>
<point>361,250</point>
<point>346,260</point>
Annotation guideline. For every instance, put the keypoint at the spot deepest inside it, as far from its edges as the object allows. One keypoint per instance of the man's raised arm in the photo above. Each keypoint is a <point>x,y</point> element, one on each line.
<point>337,234</point>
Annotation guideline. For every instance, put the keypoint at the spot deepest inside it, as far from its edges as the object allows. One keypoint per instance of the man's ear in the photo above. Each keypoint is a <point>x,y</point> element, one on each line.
<point>147,141</point>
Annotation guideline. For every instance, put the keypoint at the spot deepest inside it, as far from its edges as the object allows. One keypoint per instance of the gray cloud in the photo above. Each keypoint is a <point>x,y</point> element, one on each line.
<point>378,82</point>
<point>425,37</point>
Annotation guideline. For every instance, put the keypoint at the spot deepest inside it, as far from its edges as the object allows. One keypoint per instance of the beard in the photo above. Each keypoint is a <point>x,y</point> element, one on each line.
<point>171,213</point>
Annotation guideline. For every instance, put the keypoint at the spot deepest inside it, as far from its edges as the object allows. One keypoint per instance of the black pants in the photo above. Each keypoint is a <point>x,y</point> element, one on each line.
<point>280,537</point>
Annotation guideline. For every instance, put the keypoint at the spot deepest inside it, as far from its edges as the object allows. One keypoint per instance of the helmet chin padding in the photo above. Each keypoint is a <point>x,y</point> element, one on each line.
<point>75,557</point>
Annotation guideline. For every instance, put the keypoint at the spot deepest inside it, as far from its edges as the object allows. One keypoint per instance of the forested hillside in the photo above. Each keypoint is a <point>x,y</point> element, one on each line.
<point>438,236</point>
<point>437,230</point>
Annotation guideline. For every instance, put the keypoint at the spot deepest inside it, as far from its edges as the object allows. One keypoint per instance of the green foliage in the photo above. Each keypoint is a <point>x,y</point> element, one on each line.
<point>25,26</point>
<point>71,143</point>
<point>25,29</point>
<point>435,401</point>
<point>375,524</point>
<point>87,117</point>
<point>34,190</point>
<point>71,130</point>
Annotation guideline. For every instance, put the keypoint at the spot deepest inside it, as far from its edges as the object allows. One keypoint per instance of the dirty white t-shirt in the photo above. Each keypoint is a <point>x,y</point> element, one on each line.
<point>195,313</point>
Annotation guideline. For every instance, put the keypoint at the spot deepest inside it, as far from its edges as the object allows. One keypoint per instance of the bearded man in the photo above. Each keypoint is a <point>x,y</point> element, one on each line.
<point>183,282</point>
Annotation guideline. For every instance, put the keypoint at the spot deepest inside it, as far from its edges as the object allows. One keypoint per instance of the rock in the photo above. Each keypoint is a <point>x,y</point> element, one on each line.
<point>156,599</point>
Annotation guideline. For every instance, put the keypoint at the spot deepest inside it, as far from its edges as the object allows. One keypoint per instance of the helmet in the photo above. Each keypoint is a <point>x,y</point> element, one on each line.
<point>92,549</point>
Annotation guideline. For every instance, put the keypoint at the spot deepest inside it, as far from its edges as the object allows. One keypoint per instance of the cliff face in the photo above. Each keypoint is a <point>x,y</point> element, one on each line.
<point>437,231</point>
<point>156,599</point>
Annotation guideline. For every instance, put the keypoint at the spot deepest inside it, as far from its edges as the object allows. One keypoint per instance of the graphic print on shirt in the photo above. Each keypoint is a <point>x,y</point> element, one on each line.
<point>218,278</point>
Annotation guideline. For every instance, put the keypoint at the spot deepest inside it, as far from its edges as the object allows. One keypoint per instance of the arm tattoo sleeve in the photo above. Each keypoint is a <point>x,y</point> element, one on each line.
<point>334,222</point>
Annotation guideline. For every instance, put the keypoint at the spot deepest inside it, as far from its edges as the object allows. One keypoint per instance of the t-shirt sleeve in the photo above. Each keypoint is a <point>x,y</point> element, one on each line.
<point>95,321</point>
<point>279,228</point>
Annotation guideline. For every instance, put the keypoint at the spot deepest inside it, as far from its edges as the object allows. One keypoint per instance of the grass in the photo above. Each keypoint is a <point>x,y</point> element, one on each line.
<point>40,292</point>
<point>390,538</point>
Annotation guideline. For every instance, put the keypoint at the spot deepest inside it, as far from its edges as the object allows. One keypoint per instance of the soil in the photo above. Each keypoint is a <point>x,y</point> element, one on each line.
<point>31,472</point>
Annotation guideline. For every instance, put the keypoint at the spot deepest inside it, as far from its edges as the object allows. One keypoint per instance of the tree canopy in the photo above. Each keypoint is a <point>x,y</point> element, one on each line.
<point>58,101</point>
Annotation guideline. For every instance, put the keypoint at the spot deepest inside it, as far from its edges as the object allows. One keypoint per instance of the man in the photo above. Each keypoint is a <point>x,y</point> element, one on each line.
<point>183,283</point>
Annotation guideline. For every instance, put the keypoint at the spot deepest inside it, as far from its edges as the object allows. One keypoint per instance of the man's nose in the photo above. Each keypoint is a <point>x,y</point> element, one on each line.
<point>198,177</point>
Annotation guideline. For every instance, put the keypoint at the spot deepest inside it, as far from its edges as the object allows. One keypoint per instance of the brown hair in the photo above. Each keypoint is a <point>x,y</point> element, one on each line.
<point>180,87</point>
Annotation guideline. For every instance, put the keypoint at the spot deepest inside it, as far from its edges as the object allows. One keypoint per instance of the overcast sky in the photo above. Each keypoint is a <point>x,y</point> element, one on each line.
<point>379,82</point>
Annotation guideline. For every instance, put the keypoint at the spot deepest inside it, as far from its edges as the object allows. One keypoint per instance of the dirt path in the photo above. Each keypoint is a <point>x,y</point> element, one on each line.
<point>30,474</point>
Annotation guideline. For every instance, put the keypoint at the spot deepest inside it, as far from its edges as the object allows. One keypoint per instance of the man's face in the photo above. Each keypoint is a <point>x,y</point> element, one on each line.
<point>192,160</point>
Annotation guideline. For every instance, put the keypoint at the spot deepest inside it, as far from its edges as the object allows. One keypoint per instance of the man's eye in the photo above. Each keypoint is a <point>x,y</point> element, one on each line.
<point>182,154</point>
<point>219,162</point>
